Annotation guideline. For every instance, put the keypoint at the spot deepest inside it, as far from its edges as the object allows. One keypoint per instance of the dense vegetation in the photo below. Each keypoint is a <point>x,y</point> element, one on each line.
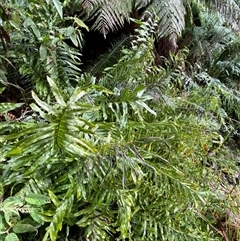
<point>119,120</point>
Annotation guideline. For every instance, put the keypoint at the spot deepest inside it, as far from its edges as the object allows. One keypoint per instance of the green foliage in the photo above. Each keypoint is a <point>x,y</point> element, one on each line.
<point>225,66</point>
<point>228,10</point>
<point>108,160</point>
<point>135,154</point>
<point>171,17</point>
<point>39,33</point>
<point>110,57</point>
<point>11,209</point>
<point>109,16</point>
<point>214,49</point>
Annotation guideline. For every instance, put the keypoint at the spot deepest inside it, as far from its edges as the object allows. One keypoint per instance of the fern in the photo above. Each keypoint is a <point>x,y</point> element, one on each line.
<point>138,4</point>
<point>109,58</point>
<point>61,213</point>
<point>171,17</point>
<point>226,63</point>
<point>102,158</point>
<point>111,16</point>
<point>229,10</point>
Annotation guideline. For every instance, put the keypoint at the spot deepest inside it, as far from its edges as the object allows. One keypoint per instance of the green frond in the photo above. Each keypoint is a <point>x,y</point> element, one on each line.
<point>140,54</point>
<point>109,58</point>
<point>228,52</point>
<point>64,128</point>
<point>227,9</point>
<point>111,15</point>
<point>61,213</point>
<point>6,107</point>
<point>170,16</point>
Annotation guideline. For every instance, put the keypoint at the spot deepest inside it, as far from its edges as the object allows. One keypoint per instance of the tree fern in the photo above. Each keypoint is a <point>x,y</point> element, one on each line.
<point>171,17</point>
<point>138,4</point>
<point>111,16</point>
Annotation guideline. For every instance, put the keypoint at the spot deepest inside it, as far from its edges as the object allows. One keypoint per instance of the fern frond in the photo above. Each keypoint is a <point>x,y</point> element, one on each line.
<point>91,5</point>
<point>64,64</point>
<point>111,15</point>
<point>138,4</point>
<point>54,136</point>
<point>111,57</point>
<point>61,213</point>
<point>228,10</point>
<point>170,16</point>
<point>226,65</point>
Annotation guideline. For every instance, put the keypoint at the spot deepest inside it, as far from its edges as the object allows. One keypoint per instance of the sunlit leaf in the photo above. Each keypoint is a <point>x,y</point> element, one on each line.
<point>80,23</point>
<point>37,199</point>
<point>11,237</point>
<point>5,107</point>
<point>42,104</point>
<point>78,93</point>
<point>43,52</point>
<point>56,92</point>
<point>58,6</point>
<point>54,198</point>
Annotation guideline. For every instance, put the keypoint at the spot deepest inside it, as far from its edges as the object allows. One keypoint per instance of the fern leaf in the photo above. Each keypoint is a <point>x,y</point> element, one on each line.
<point>57,221</point>
<point>5,107</point>
<point>227,9</point>
<point>170,17</point>
<point>111,15</point>
<point>138,4</point>
<point>56,92</point>
<point>111,57</point>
